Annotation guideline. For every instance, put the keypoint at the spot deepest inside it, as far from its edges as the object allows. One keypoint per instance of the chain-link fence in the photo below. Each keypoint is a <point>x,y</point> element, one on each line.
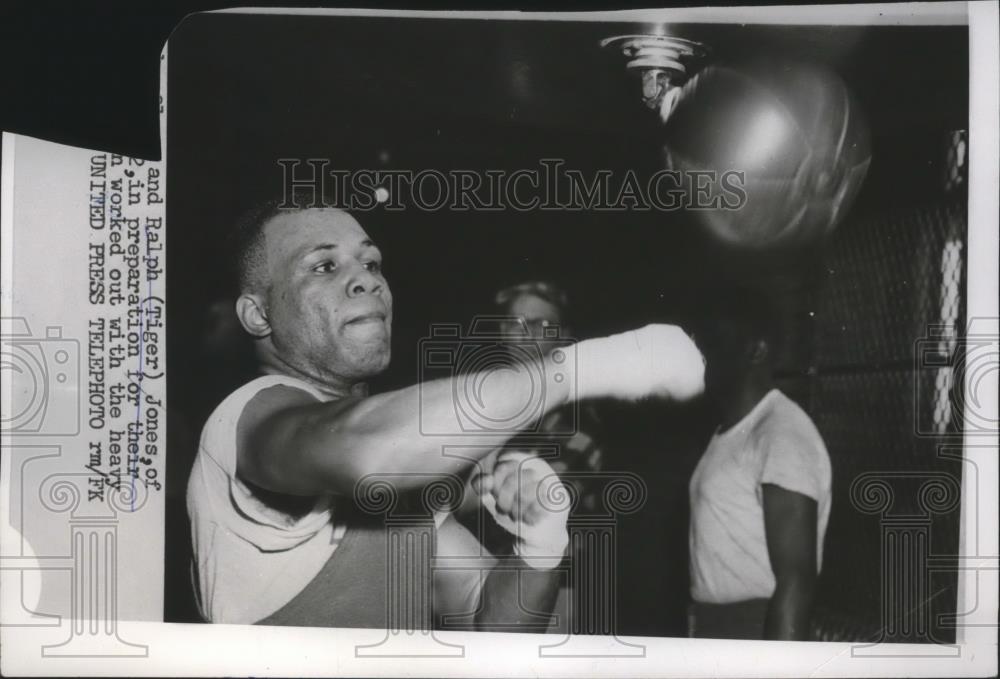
<point>871,347</point>
<point>890,294</point>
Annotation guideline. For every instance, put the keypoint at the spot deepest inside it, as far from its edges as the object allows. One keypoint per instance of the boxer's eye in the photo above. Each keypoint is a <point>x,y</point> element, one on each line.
<point>373,266</point>
<point>326,266</point>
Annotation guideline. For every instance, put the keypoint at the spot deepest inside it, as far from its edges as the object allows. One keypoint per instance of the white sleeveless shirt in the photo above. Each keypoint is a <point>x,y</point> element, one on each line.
<point>251,559</point>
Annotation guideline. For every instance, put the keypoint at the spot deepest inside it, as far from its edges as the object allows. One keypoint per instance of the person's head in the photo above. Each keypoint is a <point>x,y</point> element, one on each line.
<point>736,332</point>
<point>533,306</point>
<point>312,294</point>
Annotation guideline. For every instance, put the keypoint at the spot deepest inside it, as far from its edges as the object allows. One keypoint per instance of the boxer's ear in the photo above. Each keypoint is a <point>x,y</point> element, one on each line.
<point>253,317</point>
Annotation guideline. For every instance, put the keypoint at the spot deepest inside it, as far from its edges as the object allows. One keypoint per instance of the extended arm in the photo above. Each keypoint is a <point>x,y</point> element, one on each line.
<point>290,443</point>
<point>790,524</point>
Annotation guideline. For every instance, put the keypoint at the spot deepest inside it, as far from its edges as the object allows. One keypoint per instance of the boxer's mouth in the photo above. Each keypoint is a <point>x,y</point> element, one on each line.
<point>369,317</point>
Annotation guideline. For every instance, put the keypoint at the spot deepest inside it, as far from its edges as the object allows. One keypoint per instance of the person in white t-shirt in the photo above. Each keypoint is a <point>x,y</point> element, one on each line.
<point>276,534</point>
<point>760,495</point>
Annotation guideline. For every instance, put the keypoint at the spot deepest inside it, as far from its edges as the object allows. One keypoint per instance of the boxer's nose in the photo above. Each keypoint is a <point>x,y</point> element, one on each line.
<point>362,282</point>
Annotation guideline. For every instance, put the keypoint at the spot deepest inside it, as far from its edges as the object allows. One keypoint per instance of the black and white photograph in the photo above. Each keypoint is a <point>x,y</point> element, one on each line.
<point>394,237</point>
<point>588,337</point>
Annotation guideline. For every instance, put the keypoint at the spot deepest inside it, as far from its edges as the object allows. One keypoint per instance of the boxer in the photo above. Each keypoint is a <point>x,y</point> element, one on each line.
<point>276,540</point>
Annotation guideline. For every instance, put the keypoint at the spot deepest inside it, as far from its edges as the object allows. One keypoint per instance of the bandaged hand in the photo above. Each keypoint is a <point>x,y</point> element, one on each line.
<point>525,497</point>
<point>657,360</point>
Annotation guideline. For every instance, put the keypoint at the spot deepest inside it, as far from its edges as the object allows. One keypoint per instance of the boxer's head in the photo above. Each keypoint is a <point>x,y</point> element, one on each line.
<point>313,295</point>
<point>736,334</point>
<point>534,306</point>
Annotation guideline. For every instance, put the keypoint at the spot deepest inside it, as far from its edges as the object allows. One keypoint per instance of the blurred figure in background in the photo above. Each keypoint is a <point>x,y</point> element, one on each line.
<point>760,495</point>
<point>539,310</point>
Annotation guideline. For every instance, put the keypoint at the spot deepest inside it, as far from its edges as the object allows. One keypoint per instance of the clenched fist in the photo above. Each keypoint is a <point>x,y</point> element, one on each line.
<point>656,360</point>
<point>525,497</point>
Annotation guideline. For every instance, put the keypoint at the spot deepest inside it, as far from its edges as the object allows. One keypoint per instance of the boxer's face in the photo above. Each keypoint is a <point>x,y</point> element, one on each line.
<point>328,305</point>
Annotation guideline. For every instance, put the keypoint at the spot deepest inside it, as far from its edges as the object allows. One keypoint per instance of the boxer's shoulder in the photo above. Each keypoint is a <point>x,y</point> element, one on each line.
<point>261,392</point>
<point>270,398</point>
<point>243,407</point>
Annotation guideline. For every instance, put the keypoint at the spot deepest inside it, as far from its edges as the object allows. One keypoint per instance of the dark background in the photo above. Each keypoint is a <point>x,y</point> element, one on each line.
<point>371,93</point>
